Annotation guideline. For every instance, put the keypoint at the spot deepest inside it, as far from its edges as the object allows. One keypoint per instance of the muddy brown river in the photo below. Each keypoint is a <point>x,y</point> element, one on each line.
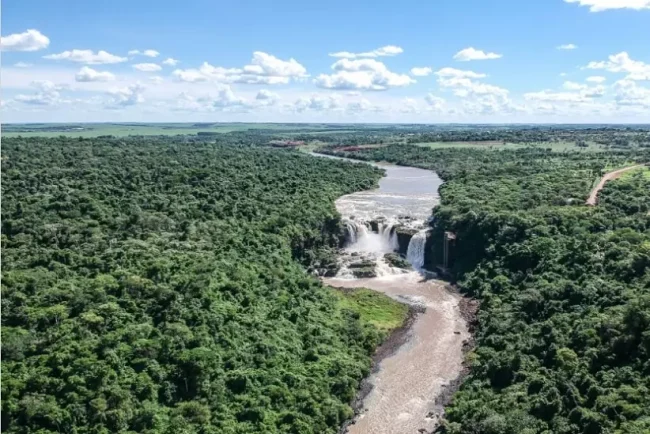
<point>406,383</point>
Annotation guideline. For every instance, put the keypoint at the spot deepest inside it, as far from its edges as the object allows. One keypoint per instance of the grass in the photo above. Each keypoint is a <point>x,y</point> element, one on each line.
<point>641,171</point>
<point>374,307</point>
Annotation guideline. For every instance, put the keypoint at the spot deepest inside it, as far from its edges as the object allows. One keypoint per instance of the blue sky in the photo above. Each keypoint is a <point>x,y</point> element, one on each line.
<point>336,61</point>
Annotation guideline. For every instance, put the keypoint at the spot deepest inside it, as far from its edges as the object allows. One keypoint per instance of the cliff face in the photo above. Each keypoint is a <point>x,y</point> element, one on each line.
<point>404,236</point>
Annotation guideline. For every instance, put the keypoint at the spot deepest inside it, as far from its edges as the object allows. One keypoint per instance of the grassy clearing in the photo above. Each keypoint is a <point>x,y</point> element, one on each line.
<point>374,307</point>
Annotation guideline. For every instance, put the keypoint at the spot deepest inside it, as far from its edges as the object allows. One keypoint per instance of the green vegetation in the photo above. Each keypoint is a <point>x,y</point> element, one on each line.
<point>155,286</point>
<point>374,308</point>
<point>563,333</point>
<point>160,284</point>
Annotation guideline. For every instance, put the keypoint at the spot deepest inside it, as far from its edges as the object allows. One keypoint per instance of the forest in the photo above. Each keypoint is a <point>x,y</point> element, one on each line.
<point>563,329</point>
<point>159,285</point>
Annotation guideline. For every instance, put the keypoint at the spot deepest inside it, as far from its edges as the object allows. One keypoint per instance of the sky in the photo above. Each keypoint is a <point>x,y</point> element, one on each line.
<point>426,61</point>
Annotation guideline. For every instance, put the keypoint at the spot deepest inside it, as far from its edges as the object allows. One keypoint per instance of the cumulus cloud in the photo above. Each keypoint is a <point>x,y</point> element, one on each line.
<point>434,102</point>
<point>363,74</point>
<point>170,61</point>
<point>147,53</point>
<point>567,47</point>
<point>421,72</point>
<point>472,53</point>
<point>318,103</point>
<point>579,93</point>
<point>87,57</point>
<point>622,62</point>
<point>267,97</point>
<point>226,98</point>
<point>458,73</point>
<point>147,67</point>
<point>156,79</point>
<point>387,50</point>
<point>571,85</point>
<point>29,40</point>
<point>87,74</point>
<point>629,93</point>
<point>47,94</point>
<point>596,79</point>
<point>263,69</point>
<point>126,96</point>
<point>603,5</point>
<point>479,98</point>
<point>363,105</point>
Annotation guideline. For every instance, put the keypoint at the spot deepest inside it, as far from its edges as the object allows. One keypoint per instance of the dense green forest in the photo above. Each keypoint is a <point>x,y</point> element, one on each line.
<point>563,330</point>
<point>158,285</point>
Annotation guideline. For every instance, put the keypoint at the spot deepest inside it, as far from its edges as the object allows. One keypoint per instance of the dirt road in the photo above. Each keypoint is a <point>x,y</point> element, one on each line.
<point>593,197</point>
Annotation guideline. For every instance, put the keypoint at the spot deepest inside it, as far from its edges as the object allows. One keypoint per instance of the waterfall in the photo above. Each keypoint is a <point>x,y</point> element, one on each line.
<point>389,235</point>
<point>415,253</point>
<point>356,230</point>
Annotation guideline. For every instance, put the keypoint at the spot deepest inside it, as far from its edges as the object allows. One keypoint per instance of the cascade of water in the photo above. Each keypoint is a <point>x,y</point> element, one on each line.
<point>415,252</point>
<point>355,231</point>
<point>389,235</point>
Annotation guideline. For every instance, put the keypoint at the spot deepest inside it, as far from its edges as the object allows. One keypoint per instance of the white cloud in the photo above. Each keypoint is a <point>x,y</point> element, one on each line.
<point>458,73</point>
<point>22,65</point>
<point>596,79</point>
<point>47,94</point>
<point>266,98</point>
<point>434,102</point>
<point>226,98</point>
<point>409,106</point>
<point>472,53</point>
<point>147,67</point>
<point>387,50</point>
<point>571,85</point>
<point>421,72</point>
<point>170,61</point>
<point>318,103</point>
<point>126,96</point>
<point>629,93</point>
<point>156,79</point>
<point>363,105</point>
<point>263,69</point>
<point>567,47</point>
<point>266,95</point>
<point>29,40</point>
<point>364,74</point>
<point>583,95</point>
<point>622,62</point>
<point>87,56</point>
<point>603,5</point>
<point>87,74</point>
<point>147,53</point>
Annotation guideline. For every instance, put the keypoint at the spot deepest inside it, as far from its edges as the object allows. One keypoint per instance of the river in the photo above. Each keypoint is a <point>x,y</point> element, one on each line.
<point>406,384</point>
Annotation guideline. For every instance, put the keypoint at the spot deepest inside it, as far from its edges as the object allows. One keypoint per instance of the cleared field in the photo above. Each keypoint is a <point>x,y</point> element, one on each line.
<point>155,129</point>
<point>497,145</point>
